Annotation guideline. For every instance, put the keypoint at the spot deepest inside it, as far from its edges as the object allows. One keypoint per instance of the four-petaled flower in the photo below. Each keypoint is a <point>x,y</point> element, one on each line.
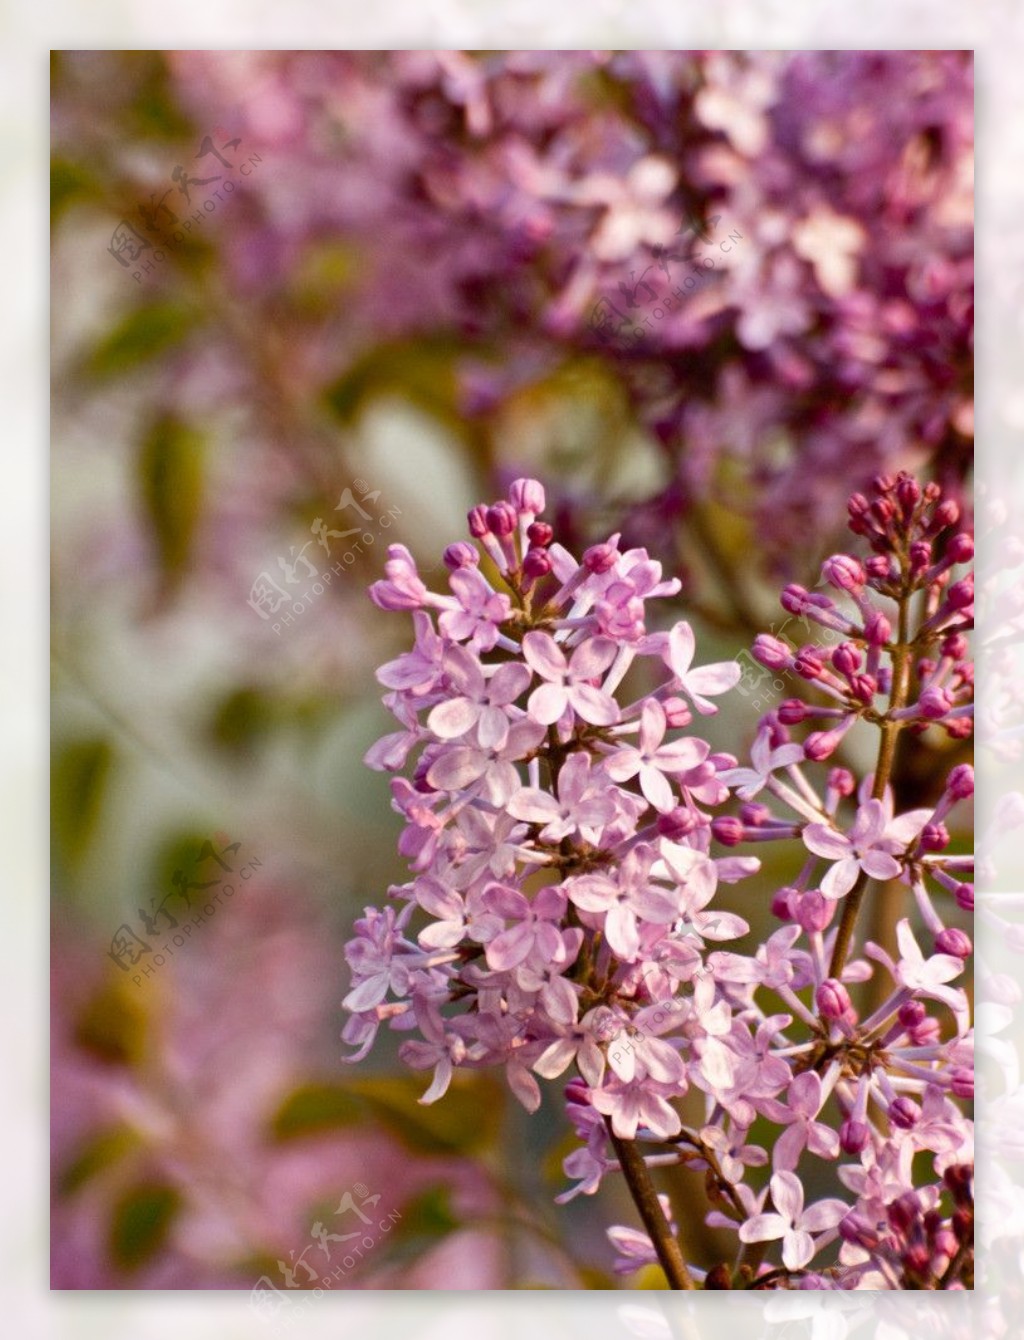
<point>651,759</point>
<point>792,1223</point>
<point>568,683</point>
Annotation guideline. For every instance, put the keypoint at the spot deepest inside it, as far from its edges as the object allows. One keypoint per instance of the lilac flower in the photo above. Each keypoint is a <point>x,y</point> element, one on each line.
<point>799,1114</point>
<point>765,760</point>
<point>623,897</point>
<point>868,846</point>
<point>792,1223</point>
<point>568,682</point>
<point>708,681</point>
<point>651,759</point>
<point>480,611</point>
<point>584,803</point>
<point>480,702</point>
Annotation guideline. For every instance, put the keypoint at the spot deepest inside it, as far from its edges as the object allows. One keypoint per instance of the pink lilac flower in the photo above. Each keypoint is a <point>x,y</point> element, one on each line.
<point>794,1224</point>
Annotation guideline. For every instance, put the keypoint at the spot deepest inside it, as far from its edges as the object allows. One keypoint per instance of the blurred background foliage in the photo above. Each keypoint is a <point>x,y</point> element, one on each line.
<point>400,297</point>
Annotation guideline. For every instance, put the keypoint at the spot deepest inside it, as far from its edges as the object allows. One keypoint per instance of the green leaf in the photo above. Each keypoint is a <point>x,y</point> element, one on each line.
<point>171,484</point>
<point>113,1026</point>
<point>141,335</point>
<point>79,777</point>
<point>315,1108</point>
<point>69,183</point>
<point>421,371</point>
<point>464,1121</point>
<point>141,1223</point>
<point>95,1155</point>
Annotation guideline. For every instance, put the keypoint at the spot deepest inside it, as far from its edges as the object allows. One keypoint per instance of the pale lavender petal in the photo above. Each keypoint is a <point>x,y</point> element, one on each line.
<point>655,787</point>
<point>825,841</point>
<point>456,768</point>
<point>592,658</point>
<point>879,864</point>
<point>543,655</point>
<point>510,948</point>
<point>548,703</point>
<point>454,718</point>
<point>763,1228</point>
<point>533,806</point>
<point>593,705</point>
<point>840,878</point>
<point>823,1215</point>
<point>797,1250</point>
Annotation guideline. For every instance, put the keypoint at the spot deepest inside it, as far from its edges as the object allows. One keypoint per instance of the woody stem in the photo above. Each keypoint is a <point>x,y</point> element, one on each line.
<point>641,1188</point>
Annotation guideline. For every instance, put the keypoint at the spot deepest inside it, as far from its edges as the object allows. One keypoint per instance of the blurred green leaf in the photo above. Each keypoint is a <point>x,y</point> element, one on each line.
<point>113,1026</point>
<point>141,1223</point>
<point>79,776</point>
<point>243,718</point>
<point>98,1153</point>
<point>314,1108</point>
<point>142,334</point>
<point>69,183</point>
<point>425,1221</point>
<point>171,484</point>
<point>421,371</point>
<point>466,1121</point>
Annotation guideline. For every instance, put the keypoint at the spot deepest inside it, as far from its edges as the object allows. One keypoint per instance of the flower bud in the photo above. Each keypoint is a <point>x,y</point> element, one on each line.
<point>904,1212</point>
<point>527,496</point>
<point>880,568</point>
<point>677,824</point>
<point>536,563</point>
<point>934,837</point>
<point>853,1136</point>
<point>877,629</point>
<point>728,830</point>
<point>793,598</point>
<point>857,1229</point>
<point>770,651</point>
<point>754,814</point>
<point>947,513</point>
<point>934,704</point>
<point>884,483</point>
<point>964,895</point>
<point>963,1082</point>
<point>959,1178</point>
<point>903,1113</point>
<point>677,713</point>
<point>822,744</point>
<point>917,1260</point>
<point>784,902</point>
<point>600,558</point>
<point>477,519</point>
<point>960,782</point>
<point>847,659</point>
<point>461,555</point>
<point>961,594</point>
<point>955,646</point>
<point>864,688</point>
<point>908,493</point>
<point>793,711</point>
<point>809,663</point>
<point>844,572</point>
<point>960,548</point>
<point>501,519</point>
<point>832,999</point>
<point>920,556</point>
<point>912,1014</point>
<point>842,781</point>
<point>813,910</point>
<point>540,534</point>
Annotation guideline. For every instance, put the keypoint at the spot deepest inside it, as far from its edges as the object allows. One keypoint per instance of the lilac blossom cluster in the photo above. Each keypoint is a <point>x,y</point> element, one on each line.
<point>565,858</point>
<point>536,205</point>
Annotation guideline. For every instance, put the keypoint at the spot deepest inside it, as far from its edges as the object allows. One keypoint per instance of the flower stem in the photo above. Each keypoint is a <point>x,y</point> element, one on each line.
<point>638,1179</point>
<point>883,771</point>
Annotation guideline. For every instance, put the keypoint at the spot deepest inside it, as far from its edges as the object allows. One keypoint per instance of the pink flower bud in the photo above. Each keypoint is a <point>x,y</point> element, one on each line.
<point>793,711</point>
<point>847,658</point>
<point>783,903</point>
<point>964,895</point>
<point>832,999</point>
<point>960,548</point>
<point>946,1243</point>
<point>946,514</point>
<point>536,563</point>
<point>864,688</point>
<point>727,830</point>
<point>600,558</point>
<point>461,555</point>
<point>755,815</point>
<point>853,1136</point>
<point>527,496</point>
<point>934,704</point>
<point>955,646</point>
<point>858,1229</point>
<point>953,941</point>
<point>934,837</point>
<point>959,1178</point>
<point>884,483</point>
<point>904,1212</point>
<point>809,663</point>
<point>877,629</point>
<point>678,823</point>
<point>961,593</point>
<point>908,492</point>
<point>677,713</point>
<point>917,1260</point>
<point>842,782</point>
<point>963,1082</point>
<point>540,534</point>
<point>770,652</point>
<point>881,568</point>
<point>822,744</point>
<point>844,572</point>
<point>920,556</point>
<point>793,598</point>
<point>904,1113</point>
<point>501,519</point>
<point>912,1014</point>
<point>960,782</point>
<point>477,519</point>
<point>813,910</point>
